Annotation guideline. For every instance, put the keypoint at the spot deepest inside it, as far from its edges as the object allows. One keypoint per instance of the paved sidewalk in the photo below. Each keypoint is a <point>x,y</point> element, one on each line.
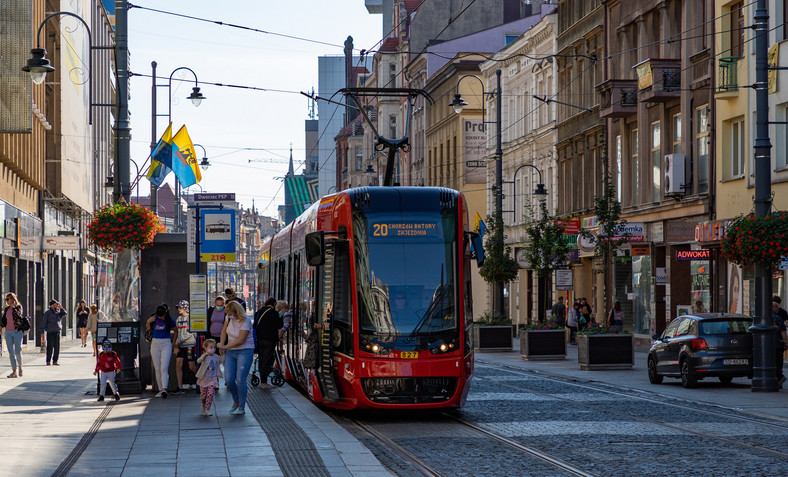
<point>738,395</point>
<point>47,419</point>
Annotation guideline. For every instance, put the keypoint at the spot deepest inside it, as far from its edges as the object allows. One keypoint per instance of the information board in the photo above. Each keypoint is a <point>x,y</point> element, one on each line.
<point>198,303</point>
<point>563,280</point>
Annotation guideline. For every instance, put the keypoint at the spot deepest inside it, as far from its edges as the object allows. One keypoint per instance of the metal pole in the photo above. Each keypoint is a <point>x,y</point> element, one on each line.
<point>154,196</point>
<point>197,239</point>
<point>498,186</point>
<point>764,378</point>
<point>122,128</point>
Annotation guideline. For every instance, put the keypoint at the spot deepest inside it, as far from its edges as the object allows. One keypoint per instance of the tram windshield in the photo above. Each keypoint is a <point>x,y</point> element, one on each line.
<point>406,275</point>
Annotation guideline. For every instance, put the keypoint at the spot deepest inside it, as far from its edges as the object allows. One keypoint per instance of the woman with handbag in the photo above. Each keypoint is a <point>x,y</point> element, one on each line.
<point>12,322</point>
<point>82,321</point>
<point>238,355</point>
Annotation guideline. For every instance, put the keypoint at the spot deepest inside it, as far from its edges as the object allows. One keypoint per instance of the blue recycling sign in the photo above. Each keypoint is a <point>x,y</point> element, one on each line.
<point>217,235</point>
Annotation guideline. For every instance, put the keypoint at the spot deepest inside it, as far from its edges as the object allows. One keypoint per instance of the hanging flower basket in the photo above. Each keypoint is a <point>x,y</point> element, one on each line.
<point>749,239</point>
<point>118,226</point>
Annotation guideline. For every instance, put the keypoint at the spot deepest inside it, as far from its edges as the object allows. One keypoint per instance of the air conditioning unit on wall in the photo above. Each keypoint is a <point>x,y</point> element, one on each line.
<point>673,168</point>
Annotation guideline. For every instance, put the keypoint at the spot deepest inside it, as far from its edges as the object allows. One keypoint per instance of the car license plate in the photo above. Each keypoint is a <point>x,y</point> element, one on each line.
<point>735,362</point>
<point>409,354</point>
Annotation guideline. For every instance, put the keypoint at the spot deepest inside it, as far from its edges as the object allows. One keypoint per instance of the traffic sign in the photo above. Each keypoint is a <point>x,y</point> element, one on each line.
<point>217,235</point>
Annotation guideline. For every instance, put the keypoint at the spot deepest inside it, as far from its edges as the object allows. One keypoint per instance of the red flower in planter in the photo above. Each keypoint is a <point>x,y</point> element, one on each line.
<point>123,225</point>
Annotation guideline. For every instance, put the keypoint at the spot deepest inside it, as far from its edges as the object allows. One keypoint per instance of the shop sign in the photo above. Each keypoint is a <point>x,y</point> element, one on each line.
<point>571,227</point>
<point>573,256</point>
<point>702,254</point>
<point>563,280</point>
<point>661,276</point>
<point>657,232</point>
<point>571,241</point>
<point>586,244</point>
<point>636,231</point>
<point>519,256</point>
<point>783,263</point>
<point>679,231</point>
<point>589,222</point>
<point>711,231</point>
<point>61,242</point>
<point>645,77</point>
<point>638,249</point>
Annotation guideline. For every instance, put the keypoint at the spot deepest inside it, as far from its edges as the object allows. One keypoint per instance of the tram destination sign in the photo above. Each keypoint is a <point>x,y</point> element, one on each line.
<point>702,254</point>
<point>399,229</point>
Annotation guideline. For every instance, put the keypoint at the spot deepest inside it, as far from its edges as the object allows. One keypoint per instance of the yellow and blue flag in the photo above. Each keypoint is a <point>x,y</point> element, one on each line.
<point>184,161</point>
<point>478,225</point>
<point>161,158</point>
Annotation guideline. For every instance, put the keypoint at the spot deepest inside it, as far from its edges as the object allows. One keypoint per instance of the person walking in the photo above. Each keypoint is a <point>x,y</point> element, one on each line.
<point>585,314</point>
<point>108,366</point>
<point>94,318</point>
<point>268,325</point>
<point>780,310</point>
<point>208,375</point>
<point>163,341</point>
<point>571,323</point>
<point>615,318</point>
<point>11,322</point>
<point>559,311</point>
<point>216,319</point>
<point>184,344</point>
<point>229,295</point>
<point>82,321</point>
<point>239,351</point>
<point>51,327</point>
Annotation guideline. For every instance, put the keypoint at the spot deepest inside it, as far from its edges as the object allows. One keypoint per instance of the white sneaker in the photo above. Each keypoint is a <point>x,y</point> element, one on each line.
<point>159,395</point>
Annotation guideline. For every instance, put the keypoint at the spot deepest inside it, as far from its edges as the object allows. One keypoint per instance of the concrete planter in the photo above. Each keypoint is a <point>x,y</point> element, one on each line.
<point>492,338</point>
<point>605,351</point>
<point>543,344</point>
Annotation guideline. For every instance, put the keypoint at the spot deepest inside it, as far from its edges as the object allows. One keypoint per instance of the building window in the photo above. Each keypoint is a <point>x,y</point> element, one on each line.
<point>656,161</point>
<point>737,148</point>
<point>392,127</point>
<point>510,38</point>
<point>737,30</point>
<point>618,167</point>
<point>392,75</point>
<point>676,133</point>
<point>359,159</point>
<point>635,168</point>
<point>702,143</point>
<point>780,149</point>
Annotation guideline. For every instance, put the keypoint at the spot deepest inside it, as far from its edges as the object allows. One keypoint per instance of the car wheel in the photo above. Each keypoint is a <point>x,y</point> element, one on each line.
<point>653,376</point>
<point>726,379</point>
<point>688,378</point>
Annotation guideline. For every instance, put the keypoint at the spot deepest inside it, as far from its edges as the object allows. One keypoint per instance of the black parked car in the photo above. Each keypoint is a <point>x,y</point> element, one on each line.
<point>693,347</point>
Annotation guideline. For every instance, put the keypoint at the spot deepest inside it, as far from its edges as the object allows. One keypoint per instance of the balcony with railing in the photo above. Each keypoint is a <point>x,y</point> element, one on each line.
<point>617,98</point>
<point>659,79</point>
<point>728,77</point>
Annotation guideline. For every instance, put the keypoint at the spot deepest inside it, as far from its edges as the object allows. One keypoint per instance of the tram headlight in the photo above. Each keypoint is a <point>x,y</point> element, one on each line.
<point>441,347</point>
<point>374,348</point>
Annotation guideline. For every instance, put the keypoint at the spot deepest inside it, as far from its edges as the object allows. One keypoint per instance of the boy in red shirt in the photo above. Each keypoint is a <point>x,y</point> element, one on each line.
<point>107,364</point>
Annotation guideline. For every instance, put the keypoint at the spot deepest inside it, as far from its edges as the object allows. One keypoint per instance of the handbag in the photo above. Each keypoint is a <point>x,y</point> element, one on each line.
<point>312,346</point>
<point>148,335</point>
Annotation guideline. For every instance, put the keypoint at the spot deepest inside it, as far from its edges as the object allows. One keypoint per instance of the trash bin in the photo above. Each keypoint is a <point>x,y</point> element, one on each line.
<point>125,339</point>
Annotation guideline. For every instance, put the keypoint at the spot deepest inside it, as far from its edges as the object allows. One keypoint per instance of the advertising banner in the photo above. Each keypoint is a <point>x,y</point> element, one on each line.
<point>16,94</point>
<point>473,151</point>
<point>198,303</point>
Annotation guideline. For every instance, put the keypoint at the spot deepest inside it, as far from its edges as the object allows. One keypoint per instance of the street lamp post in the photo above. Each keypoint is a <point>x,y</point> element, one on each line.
<point>540,191</point>
<point>372,172</point>
<point>204,164</point>
<point>458,104</point>
<point>764,378</point>
<point>196,98</point>
<point>137,168</point>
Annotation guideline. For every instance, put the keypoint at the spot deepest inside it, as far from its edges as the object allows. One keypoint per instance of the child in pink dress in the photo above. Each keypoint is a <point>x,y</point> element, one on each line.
<point>208,375</point>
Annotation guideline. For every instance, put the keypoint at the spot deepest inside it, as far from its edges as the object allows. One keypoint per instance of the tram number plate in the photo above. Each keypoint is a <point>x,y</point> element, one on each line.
<point>409,354</point>
<point>735,362</point>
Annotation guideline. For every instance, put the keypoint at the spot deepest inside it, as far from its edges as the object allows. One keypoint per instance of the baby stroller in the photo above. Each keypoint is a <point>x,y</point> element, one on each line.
<point>276,374</point>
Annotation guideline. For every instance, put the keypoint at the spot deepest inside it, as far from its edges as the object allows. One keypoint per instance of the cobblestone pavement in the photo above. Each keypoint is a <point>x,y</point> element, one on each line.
<point>598,428</point>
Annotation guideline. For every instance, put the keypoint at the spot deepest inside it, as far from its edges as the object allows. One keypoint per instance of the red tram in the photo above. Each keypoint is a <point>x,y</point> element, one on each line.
<point>386,271</point>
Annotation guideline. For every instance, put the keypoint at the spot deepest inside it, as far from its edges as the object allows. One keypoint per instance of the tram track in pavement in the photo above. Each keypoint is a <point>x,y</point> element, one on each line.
<point>674,427</point>
<point>424,468</point>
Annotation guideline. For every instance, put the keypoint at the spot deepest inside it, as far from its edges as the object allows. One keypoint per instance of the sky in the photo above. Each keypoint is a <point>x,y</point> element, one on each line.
<point>230,120</point>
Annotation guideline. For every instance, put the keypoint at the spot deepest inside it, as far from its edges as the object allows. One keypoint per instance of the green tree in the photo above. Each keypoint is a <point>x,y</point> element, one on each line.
<point>499,266</point>
<point>546,252</point>
<point>611,233</point>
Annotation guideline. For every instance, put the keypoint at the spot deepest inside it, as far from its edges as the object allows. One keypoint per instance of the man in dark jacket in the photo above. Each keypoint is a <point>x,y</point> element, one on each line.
<point>267,325</point>
<point>229,295</point>
<point>51,325</point>
<point>559,311</point>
